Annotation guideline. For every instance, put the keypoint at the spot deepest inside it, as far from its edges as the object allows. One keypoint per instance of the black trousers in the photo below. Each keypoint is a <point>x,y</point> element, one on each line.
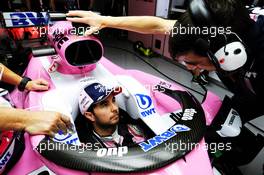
<point>248,107</point>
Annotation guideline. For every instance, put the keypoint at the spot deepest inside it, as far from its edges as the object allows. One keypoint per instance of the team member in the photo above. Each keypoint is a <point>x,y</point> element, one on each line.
<point>235,49</point>
<point>39,122</point>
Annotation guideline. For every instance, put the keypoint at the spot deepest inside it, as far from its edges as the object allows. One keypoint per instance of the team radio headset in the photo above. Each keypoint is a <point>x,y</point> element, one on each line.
<point>232,55</point>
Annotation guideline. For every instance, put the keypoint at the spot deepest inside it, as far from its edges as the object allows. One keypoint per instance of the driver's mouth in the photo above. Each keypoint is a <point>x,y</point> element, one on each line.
<point>115,116</point>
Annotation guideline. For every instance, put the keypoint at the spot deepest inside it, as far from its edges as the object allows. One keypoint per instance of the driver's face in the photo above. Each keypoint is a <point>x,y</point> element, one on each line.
<point>107,112</point>
<point>195,62</point>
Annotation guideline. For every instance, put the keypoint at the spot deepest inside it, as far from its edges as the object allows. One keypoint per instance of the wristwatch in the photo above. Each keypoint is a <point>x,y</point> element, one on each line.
<point>23,83</point>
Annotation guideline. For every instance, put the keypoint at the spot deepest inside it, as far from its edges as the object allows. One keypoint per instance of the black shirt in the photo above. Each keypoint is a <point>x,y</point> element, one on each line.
<point>247,83</point>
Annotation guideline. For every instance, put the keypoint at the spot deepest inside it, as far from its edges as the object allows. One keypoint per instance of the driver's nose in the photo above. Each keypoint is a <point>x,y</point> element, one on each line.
<point>114,106</point>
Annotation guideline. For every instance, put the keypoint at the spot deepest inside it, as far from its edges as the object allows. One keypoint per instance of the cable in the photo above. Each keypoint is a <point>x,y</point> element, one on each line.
<point>153,67</point>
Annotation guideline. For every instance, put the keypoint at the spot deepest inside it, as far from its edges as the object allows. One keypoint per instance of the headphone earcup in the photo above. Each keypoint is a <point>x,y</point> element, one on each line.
<point>231,56</point>
<point>202,44</point>
<point>200,13</point>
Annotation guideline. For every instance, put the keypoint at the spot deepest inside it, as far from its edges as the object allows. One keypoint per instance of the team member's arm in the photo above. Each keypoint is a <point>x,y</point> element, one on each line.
<point>39,122</point>
<point>10,77</point>
<point>140,24</point>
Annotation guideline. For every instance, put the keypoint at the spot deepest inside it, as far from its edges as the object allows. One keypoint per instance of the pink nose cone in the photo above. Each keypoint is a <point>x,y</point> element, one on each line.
<point>78,54</point>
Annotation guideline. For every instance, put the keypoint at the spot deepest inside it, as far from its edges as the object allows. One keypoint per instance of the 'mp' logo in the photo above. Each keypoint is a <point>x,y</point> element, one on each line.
<point>143,101</point>
<point>24,19</point>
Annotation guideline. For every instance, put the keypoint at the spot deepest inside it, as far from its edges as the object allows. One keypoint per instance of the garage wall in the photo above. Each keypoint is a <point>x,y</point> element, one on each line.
<point>141,8</point>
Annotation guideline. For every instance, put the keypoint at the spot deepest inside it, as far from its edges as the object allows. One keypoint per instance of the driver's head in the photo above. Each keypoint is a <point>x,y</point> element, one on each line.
<point>98,104</point>
<point>195,26</point>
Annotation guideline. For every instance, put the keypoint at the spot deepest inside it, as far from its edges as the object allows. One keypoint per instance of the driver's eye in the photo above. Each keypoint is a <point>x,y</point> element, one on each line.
<point>103,104</point>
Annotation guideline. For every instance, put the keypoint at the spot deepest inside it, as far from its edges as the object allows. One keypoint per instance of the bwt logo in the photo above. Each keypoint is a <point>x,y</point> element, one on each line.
<point>25,18</point>
<point>144,102</point>
<point>148,112</point>
<point>159,139</point>
<point>60,137</point>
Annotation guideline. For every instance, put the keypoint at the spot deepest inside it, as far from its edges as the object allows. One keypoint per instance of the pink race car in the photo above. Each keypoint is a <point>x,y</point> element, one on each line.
<point>175,118</point>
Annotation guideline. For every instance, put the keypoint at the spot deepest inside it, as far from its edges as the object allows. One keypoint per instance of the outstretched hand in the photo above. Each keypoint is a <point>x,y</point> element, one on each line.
<point>48,123</point>
<point>37,85</point>
<point>95,21</point>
